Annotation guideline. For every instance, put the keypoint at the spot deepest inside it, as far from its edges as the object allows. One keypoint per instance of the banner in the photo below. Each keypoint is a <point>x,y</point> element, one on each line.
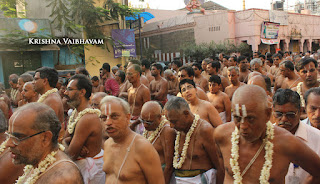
<point>124,43</point>
<point>269,32</point>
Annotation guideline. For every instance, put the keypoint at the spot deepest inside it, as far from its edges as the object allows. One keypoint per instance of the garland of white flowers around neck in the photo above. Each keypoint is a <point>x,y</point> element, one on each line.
<point>178,161</point>
<point>13,93</point>
<point>3,146</point>
<point>73,122</point>
<point>46,94</point>
<point>155,133</point>
<point>265,172</point>
<point>42,167</point>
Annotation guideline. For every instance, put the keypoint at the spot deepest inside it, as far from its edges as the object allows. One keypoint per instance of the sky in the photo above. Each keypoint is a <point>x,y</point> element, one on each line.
<point>230,4</point>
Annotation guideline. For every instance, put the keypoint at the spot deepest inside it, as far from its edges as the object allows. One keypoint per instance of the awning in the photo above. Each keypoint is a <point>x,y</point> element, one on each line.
<point>146,16</point>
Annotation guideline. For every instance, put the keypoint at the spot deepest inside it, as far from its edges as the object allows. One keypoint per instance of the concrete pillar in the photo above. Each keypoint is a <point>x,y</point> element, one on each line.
<point>286,45</point>
<point>309,44</point>
<point>301,42</point>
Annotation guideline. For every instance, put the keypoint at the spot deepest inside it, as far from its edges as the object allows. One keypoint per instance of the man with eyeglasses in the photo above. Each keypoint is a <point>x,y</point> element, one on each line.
<point>130,157</point>
<point>83,139</point>
<point>186,72</point>
<point>286,112</point>
<point>244,71</point>
<point>33,141</point>
<point>160,135</point>
<point>203,108</point>
<point>252,149</point>
<point>195,159</point>
<point>138,94</point>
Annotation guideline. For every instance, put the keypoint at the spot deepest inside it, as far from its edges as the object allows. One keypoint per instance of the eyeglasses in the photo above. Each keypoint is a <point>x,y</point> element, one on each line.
<point>147,122</point>
<point>289,115</point>
<point>16,141</point>
<point>187,88</point>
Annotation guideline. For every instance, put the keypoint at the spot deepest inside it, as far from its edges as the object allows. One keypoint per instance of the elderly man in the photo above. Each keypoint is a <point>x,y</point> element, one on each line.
<point>130,157</point>
<point>233,75</point>
<point>28,93</point>
<point>186,72</point>
<point>83,136</point>
<point>96,99</point>
<point>158,86</point>
<point>256,65</point>
<point>21,81</point>
<point>195,159</point>
<point>312,101</point>
<point>242,143</point>
<point>286,112</point>
<point>160,135</point>
<point>33,141</point>
<point>14,92</point>
<point>45,81</point>
<point>291,78</point>
<point>203,108</point>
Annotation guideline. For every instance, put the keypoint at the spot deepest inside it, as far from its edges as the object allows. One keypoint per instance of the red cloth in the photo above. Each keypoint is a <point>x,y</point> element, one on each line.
<point>111,85</point>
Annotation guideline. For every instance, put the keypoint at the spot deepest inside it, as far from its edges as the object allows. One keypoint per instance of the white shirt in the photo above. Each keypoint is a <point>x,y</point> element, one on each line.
<point>310,136</point>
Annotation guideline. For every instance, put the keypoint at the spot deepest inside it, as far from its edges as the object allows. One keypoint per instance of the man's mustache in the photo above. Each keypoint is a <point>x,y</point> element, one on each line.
<point>285,123</point>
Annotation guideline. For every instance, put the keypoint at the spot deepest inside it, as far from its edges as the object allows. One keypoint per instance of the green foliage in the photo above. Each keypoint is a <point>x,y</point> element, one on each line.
<point>204,50</point>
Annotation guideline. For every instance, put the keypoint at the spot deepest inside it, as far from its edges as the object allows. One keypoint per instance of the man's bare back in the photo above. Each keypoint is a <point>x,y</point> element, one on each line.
<point>207,112</point>
<point>231,89</point>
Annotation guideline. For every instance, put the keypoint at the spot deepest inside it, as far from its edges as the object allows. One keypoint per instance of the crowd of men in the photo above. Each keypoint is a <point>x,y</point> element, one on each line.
<point>226,119</point>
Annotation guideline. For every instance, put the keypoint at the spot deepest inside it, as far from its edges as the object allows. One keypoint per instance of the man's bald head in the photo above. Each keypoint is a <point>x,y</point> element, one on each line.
<point>252,74</point>
<point>259,81</point>
<point>96,99</point>
<point>151,107</point>
<point>250,94</point>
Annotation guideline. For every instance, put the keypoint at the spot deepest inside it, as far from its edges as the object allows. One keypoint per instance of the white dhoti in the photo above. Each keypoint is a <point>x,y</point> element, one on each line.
<point>91,169</point>
<point>208,177</point>
<point>223,116</point>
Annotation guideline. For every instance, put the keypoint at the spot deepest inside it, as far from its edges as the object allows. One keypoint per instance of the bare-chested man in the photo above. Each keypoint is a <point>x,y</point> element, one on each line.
<point>274,70</point>
<point>233,75</point>
<point>173,83</point>
<point>213,68</point>
<point>21,81</point>
<point>14,92</point>
<point>256,65</point>
<point>186,72</point>
<point>307,70</point>
<point>83,136</point>
<point>158,86</point>
<point>160,135</point>
<point>138,94</point>
<point>292,79</point>
<point>96,86</point>
<point>128,158</point>
<point>33,140</point>
<point>219,99</point>
<point>203,108</point>
<point>200,81</point>
<point>243,66</point>
<point>28,93</point>
<point>45,81</point>
<point>255,151</point>
<point>195,160</point>
<point>175,65</point>
<point>145,67</point>
<point>204,72</point>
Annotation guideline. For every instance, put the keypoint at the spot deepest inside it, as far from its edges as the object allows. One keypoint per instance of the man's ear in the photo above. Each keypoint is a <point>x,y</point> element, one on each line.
<point>186,112</point>
<point>83,92</point>
<point>47,138</point>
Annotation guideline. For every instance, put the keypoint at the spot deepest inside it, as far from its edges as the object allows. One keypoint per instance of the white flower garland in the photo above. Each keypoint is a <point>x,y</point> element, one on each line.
<point>265,172</point>
<point>299,90</point>
<point>155,133</point>
<point>178,162</point>
<point>72,123</point>
<point>3,146</point>
<point>13,94</point>
<point>45,95</point>
<point>43,165</point>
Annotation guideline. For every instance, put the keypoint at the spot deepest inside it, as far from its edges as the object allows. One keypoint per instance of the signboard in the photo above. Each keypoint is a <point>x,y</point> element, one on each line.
<point>124,43</point>
<point>269,33</point>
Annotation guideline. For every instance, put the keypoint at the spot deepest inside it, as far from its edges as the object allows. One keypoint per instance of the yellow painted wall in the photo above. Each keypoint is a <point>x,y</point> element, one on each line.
<point>94,54</point>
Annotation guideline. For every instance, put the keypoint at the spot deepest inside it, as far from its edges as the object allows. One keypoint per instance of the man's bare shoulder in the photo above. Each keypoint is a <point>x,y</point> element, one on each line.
<point>90,118</point>
<point>224,131</point>
<point>63,173</point>
<point>53,98</point>
<point>205,128</point>
<point>144,88</point>
<point>163,80</point>
<point>168,131</point>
